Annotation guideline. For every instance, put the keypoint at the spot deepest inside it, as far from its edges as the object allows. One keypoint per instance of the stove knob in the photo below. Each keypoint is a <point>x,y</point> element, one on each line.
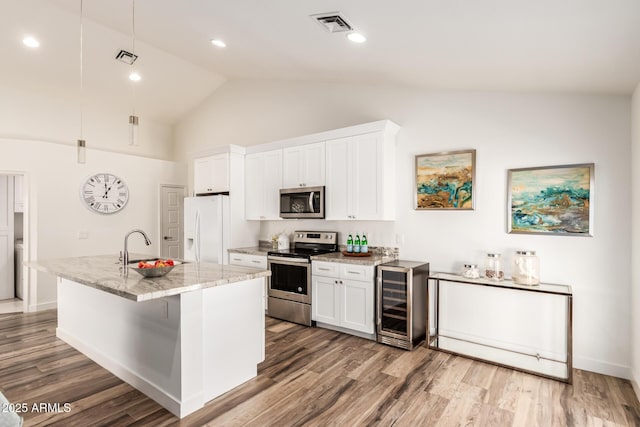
<point>326,236</point>
<point>299,289</point>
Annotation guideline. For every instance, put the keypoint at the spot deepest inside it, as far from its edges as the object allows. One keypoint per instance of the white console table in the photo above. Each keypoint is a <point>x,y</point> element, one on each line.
<point>528,328</point>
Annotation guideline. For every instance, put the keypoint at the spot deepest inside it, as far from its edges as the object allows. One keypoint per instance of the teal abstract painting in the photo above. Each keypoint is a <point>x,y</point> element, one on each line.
<point>554,200</point>
<point>445,180</point>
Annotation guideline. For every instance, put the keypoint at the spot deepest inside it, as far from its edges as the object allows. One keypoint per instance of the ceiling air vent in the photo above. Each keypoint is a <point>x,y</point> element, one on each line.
<point>333,22</point>
<point>126,57</point>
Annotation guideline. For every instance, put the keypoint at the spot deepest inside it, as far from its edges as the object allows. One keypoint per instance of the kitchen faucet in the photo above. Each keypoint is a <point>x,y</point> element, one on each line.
<point>125,253</point>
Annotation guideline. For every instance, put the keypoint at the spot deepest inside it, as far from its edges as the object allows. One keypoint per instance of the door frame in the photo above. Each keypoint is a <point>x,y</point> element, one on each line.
<point>29,282</point>
<point>160,187</point>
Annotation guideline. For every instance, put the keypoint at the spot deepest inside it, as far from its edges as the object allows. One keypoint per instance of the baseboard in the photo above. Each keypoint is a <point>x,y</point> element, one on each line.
<point>177,408</point>
<point>635,384</point>
<point>43,306</point>
<point>601,367</point>
<point>347,331</point>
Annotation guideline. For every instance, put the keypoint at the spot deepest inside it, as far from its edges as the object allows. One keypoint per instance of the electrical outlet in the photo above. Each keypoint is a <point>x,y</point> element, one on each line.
<point>400,239</point>
<point>83,235</point>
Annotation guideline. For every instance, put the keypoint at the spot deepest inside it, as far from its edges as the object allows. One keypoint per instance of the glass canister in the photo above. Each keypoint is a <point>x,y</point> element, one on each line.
<point>493,268</point>
<point>470,271</point>
<point>526,268</point>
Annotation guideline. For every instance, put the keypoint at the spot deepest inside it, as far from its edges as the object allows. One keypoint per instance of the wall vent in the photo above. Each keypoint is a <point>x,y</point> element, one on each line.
<point>126,57</point>
<point>333,22</point>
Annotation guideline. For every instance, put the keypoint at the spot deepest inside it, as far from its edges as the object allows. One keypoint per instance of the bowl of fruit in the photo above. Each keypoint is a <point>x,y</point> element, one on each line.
<point>154,267</point>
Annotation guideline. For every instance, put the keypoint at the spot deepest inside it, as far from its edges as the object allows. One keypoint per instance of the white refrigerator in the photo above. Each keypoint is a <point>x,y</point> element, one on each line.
<point>206,229</point>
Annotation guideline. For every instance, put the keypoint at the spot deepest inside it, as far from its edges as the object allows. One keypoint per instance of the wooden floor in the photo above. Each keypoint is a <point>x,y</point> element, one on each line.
<point>311,377</point>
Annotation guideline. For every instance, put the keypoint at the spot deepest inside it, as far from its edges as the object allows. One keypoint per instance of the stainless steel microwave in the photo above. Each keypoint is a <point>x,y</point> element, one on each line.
<point>302,202</point>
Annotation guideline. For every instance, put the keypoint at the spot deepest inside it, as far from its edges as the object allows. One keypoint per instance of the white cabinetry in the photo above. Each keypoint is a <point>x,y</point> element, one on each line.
<point>343,297</point>
<point>256,261</point>
<point>18,193</point>
<point>263,181</point>
<point>211,174</point>
<point>360,174</point>
<point>304,165</point>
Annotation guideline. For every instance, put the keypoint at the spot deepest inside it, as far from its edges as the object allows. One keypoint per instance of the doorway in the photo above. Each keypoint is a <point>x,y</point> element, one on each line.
<point>12,235</point>
<point>171,220</point>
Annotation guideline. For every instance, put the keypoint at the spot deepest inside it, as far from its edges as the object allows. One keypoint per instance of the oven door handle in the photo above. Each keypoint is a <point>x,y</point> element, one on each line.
<point>287,261</point>
<point>311,202</point>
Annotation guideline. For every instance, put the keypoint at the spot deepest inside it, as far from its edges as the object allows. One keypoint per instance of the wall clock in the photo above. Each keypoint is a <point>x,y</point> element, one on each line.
<point>104,193</point>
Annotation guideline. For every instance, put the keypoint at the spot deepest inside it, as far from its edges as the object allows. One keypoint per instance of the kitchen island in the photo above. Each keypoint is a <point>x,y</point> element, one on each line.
<point>182,339</point>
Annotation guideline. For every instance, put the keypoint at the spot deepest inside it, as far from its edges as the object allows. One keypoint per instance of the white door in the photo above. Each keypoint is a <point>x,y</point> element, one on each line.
<point>357,305</point>
<point>254,181</point>
<point>171,221</point>
<point>7,287</point>
<point>272,184</point>
<point>339,172</point>
<point>202,175</point>
<point>366,160</point>
<point>313,164</point>
<point>291,167</point>
<point>326,300</point>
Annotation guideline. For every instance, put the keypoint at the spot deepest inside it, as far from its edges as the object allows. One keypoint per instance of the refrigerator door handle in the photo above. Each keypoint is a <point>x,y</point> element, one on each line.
<point>196,237</point>
<point>311,202</point>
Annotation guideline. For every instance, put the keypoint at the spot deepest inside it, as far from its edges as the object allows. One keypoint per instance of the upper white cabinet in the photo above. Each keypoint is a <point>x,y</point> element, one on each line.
<point>304,165</point>
<point>211,174</point>
<point>18,193</point>
<point>263,181</point>
<point>360,173</point>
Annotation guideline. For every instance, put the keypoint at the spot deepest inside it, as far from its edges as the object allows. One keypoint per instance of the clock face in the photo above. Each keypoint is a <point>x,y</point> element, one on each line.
<point>105,193</point>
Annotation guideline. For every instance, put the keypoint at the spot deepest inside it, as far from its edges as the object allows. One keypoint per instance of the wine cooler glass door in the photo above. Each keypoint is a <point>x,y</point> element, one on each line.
<point>393,302</point>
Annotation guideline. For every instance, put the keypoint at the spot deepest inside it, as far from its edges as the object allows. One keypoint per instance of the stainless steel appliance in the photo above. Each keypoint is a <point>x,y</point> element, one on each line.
<point>302,202</point>
<point>290,281</point>
<point>402,303</point>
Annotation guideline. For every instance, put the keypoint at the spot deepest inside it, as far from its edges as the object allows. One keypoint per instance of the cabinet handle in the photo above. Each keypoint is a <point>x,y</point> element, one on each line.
<point>323,269</point>
<point>255,261</point>
<point>353,272</point>
<point>341,282</point>
<point>335,281</point>
<point>237,259</point>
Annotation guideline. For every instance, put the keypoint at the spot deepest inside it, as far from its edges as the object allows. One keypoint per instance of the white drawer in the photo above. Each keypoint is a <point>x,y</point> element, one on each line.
<point>248,260</point>
<point>356,272</point>
<point>328,269</point>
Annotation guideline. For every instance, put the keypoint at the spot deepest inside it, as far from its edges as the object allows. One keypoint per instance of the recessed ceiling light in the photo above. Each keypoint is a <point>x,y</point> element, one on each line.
<point>31,42</point>
<point>135,77</point>
<point>219,43</point>
<point>356,37</point>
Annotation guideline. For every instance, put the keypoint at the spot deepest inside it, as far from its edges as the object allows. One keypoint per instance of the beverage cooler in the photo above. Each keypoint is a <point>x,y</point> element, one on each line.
<point>402,303</point>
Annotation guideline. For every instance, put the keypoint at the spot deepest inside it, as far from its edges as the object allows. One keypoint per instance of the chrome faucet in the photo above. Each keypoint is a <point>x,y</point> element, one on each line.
<point>125,253</point>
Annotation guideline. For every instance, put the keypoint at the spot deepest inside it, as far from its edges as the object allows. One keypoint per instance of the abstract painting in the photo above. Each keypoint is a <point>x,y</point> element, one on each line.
<point>445,180</point>
<point>552,200</point>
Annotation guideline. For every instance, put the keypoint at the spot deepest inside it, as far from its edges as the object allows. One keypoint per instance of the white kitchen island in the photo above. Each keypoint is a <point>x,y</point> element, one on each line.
<point>182,339</point>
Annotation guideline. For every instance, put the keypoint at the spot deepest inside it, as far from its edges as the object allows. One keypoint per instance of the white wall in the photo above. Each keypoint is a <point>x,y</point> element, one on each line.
<point>635,239</point>
<point>57,214</point>
<point>508,131</point>
<point>28,115</point>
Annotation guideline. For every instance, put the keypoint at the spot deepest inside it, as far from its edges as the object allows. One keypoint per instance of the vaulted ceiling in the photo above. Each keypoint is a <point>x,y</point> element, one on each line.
<point>578,46</point>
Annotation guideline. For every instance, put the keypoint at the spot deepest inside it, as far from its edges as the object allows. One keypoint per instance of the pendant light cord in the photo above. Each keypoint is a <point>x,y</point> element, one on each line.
<point>133,51</point>
<point>81,65</point>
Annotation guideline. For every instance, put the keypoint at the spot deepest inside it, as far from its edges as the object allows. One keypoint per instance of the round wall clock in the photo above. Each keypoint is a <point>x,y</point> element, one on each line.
<point>104,193</point>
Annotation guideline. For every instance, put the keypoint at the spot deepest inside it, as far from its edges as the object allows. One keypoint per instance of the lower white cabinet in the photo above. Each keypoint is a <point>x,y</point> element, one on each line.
<point>256,261</point>
<point>343,296</point>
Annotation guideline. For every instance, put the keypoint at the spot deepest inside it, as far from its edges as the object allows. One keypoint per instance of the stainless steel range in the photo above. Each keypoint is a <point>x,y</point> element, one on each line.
<point>290,281</point>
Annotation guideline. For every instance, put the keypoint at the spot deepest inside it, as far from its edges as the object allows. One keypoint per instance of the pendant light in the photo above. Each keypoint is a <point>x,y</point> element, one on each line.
<point>133,119</point>
<point>81,143</point>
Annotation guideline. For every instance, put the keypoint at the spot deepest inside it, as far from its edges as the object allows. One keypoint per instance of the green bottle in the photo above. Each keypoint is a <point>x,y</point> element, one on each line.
<point>364,245</point>
<point>356,244</point>
<point>350,244</point>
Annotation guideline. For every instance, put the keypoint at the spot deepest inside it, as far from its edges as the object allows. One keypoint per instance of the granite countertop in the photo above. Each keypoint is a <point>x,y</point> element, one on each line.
<point>104,272</point>
<point>372,260</point>
<point>253,250</point>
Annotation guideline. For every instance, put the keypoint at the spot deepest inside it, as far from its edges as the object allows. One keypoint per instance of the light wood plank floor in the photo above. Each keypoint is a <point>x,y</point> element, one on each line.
<point>311,377</point>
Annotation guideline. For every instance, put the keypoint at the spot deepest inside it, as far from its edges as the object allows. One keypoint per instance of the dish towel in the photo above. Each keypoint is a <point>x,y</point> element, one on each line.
<point>7,417</point>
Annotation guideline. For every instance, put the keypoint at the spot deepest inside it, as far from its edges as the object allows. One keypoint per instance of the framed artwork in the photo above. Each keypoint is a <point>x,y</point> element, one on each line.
<point>551,200</point>
<point>445,180</point>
